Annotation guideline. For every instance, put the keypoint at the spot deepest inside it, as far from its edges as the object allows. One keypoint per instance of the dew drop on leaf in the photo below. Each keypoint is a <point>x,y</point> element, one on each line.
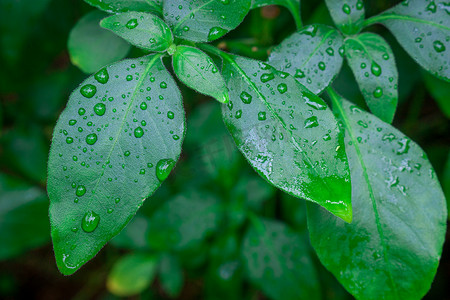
<point>267,77</point>
<point>311,122</point>
<point>282,88</point>
<point>246,98</point>
<point>262,115</point>
<point>90,221</point>
<point>91,138</point>
<point>438,46</point>
<point>102,76</point>
<point>100,109</point>
<point>376,69</point>
<point>378,92</point>
<point>138,132</point>
<point>346,9</point>
<point>81,190</point>
<point>163,168</point>
<point>88,90</point>
<point>131,24</point>
<point>72,122</point>
<point>81,111</point>
<point>170,115</point>
<point>215,33</point>
<point>69,140</point>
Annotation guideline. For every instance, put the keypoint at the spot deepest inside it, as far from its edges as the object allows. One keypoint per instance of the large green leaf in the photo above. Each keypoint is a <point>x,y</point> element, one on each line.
<point>391,250</point>
<point>373,65</point>
<point>23,217</point>
<point>92,47</point>
<point>198,71</point>
<point>116,6</point>
<point>114,144</point>
<point>287,133</point>
<point>132,274</point>
<point>348,15</point>
<point>143,30</point>
<point>204,20</point>
<point>313,55</point>
<point>278,261</point>
<point>423,29</point>
<point>292,5</point>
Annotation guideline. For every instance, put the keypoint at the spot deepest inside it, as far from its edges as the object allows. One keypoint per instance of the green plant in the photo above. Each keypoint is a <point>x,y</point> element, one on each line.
<point>382,217</point>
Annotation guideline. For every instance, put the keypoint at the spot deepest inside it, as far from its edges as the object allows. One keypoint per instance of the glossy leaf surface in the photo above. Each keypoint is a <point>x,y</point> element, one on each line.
<point>391,250</point>
<point>198,71</point>
<point>292,5</point>
<point>204,20</point>
<point>143,30</point>
<point>132,274</point>
<point>348,15</point>
<point>92,47</point>
<point>278,262</point>
<point>423,29</point>
<point>373,64</point>
<point>287,133</point>
<point>313,55</point>
<point>117,140</point>
<point>116,6</point>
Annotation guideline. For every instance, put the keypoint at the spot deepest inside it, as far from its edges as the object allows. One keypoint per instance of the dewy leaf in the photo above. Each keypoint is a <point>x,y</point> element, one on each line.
<point>204,20</point>
<point>117,140</point>
<point>198,71</point>
<point>143,30</point>
<point>313,55</point>
<point>423,29</point>
<point>373,64</point>
<point>92,47</point>
<point>348,15</point>
<point>278,262</point>
<point>391,249</point>
<point>117,6</point>
<point>292,5</point>
<point>287,133</point>
<point>132,274</point>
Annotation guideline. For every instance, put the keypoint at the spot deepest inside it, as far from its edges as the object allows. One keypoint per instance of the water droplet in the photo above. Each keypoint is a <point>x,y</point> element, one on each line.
<point>330,51</point>
<point>376,69</point>
<point>127,153</point>
<point>267,77</point>
<point>100,109</point>
<point>322,66</point>
<point>90,221</point>
<point>72,122</point>
<point>299,74</point>
<point>262,115</point>
<point>81,190</point>
<point>69,140</point>
<point>431,7</point>
<point>311,122</point>
<point>185,28</point>
<point>91,138</point>
<point>346,9</point>
<point>81,111</point>
<point>385,56</point>
<point>143,106</point>
<point>378,92</point>
<point>102,76</point>
<point>438,46</point>
<point>312,102</point>
<point>163,168</point>
<point>311,30</point>
<point>129,77</point>
<point>246,98</point>
<point>225,2</point>
<point>404,146</point>
<point>138,132</point>
<point>282,88</point>
<point>88,90</point>
<point>163,85</point>
<point>170,115</point>
<point>359,5</point>
<point>215,33</point>
<point>131,24</point>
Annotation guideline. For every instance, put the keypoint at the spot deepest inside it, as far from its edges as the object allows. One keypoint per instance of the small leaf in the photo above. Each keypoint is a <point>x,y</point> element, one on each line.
<point>292,5</point>
<point>287,133</point>
<point>91,47</point>
<point>118,6</point>
<point>171,275</point>
<point>198,71</point>
<point>391,249</point>
<point>119,135</point>
<point>204,20</point>
<point>313,55</point>
<point>132,274</point>
<point>439,90</point>
<point>348,15</point>
<point>423,29</point>
<point>143,30</point>
<point>278,262</point>
<point>373,64</point>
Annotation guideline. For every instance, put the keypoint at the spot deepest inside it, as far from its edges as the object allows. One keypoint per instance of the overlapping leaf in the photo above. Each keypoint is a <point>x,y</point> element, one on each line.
<point>116,6</point>
<point>114,144</point>
<point>348,15</point>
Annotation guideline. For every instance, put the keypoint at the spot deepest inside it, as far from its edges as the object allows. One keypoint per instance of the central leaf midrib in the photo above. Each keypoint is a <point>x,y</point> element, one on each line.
<point>318,47</point>
<point>181,22</point>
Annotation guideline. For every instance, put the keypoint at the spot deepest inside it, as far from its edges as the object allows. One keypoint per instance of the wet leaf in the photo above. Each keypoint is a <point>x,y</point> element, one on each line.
<point>143,30</point>
<point>373,64</point>
<point>199,72</point>
<point>391,250</point>
<point>312,55</point>
<point>292,5</point>
<point>348,15</point>
<point>116,6</point>
<point>117,140</point>
<point>204,20</point>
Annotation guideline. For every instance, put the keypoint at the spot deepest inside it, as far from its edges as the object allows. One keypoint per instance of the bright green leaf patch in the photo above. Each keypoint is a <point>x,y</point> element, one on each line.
<point>373,65</point>
<point>391,249</point>
<point>313,55</point>
<point>204,20</point>
<point>198,71</point>
<point>116,6</point>
<point>423,29</point>
<point>143,30</point>
<point>348,15</point>
<point>119,135</point>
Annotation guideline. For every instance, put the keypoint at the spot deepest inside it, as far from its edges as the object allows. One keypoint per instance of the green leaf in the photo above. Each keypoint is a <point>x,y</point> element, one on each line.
<point>117,140</point>
<point>184,222</point>
<point>92,47</point>
<point>287,133</point>
<point>278,262</point>
<point>439,90</point>
<point>292,5</point>
<point>143,30</point>
<point>446,182</point>
<point>117,6</point>
<point>171,275</point>
<point>198,71</point>
<point>204,20</point>
<point>391,249</point>
<point>348,15</point>
<point>373,64</point>
<point>132,274</point>
<point>422,28</point>
<point>313,55</point>
<point>23,217</point>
